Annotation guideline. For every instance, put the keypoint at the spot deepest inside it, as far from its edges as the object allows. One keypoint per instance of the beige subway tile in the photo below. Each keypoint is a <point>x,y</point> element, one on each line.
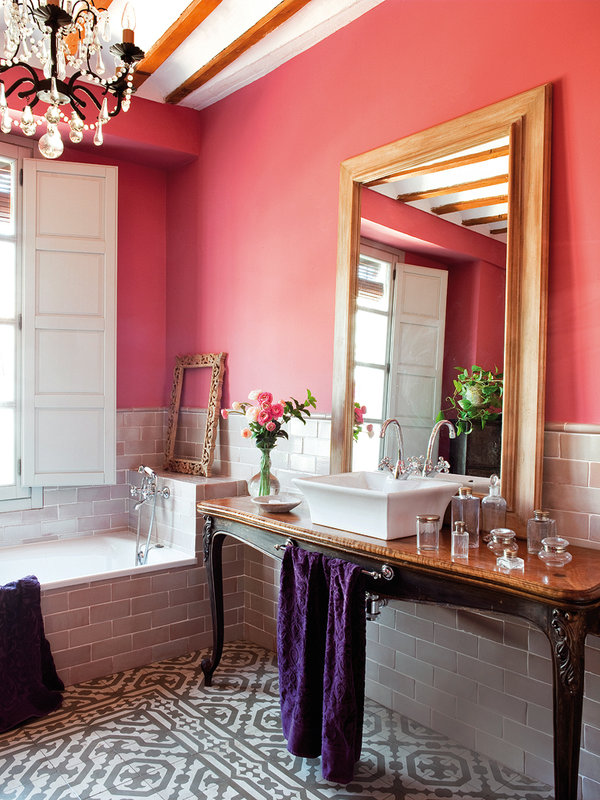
<point>566,471</point>
<point>149,602</point>
<point>109,611</point>
<point>97,632</point>
<point>72,656</point>
<point>59,640</point>
<point>111,647</point>
<point>131,587</point>
<point>551,444</point>
<point>583,446</point>
<point>132,624</point>
<point>89,671</point>
<point>169,580</point>
<point>150,638</point>
<point>66,620</point>
<point>53,603</point>
<point>595,474</point>
<point>168,615</point>
<point>89,596</point>
<point>572,498</point>
<point>170,649</point>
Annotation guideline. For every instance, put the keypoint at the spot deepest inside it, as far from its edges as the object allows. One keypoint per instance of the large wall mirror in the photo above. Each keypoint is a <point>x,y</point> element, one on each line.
<point>460,213</point>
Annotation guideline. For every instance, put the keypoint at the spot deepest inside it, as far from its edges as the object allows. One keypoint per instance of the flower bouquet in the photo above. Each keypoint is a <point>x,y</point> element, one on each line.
<point>359,418</point>
<point>265,425</point>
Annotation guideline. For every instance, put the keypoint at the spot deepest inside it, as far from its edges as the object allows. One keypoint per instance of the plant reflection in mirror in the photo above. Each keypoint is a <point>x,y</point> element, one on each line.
<point>477,397</point>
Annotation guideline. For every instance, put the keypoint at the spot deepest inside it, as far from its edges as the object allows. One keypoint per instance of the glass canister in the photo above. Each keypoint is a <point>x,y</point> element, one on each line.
<point>493,509</point>
<point>500,539</point>
<point>539,527</point>
<point>466,508</point>
<point>554,551</point>
<point>428,531</point>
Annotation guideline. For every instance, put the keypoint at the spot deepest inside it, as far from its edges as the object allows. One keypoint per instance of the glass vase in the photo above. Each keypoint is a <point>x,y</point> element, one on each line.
<point>263,483</point>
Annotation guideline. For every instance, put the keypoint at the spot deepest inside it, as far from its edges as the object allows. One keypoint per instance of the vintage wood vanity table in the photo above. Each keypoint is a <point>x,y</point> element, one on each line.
<point>563,603</point>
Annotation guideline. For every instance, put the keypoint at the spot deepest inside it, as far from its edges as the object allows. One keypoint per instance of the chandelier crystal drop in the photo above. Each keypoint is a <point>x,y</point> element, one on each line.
<point>53,52</point>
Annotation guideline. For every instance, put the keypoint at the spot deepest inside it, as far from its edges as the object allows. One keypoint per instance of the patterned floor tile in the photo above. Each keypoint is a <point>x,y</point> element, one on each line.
<point>157,733</point>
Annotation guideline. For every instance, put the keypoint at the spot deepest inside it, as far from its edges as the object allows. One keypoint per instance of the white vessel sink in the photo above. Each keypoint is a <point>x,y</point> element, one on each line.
<point>374,503</point>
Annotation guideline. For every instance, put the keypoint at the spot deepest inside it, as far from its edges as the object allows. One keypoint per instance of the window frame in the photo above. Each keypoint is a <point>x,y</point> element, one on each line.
<point>17,497</point>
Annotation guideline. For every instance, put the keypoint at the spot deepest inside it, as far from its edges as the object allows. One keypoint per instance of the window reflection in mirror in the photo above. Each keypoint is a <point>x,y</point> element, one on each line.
<point>430,293</point>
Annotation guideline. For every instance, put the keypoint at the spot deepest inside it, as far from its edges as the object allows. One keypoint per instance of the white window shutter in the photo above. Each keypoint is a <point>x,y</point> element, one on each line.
<point>69,324</point>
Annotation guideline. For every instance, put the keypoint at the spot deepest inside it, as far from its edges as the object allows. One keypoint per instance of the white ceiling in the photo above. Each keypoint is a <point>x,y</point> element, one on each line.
<point>231,19</point>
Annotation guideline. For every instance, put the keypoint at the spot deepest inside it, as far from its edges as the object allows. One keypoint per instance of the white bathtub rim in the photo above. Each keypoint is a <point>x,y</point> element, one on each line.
<point>175,558</point>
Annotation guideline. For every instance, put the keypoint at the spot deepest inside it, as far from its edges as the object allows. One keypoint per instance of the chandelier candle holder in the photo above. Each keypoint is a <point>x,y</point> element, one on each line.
<point>43,42</point>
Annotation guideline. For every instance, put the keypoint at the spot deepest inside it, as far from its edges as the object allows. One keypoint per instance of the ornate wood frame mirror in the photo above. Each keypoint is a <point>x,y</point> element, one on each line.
<point>201,466</point>
<point>526,118</point>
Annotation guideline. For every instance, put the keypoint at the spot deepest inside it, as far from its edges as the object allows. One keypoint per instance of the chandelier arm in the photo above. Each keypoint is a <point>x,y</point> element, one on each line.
<point>34,78</point>
<point>80,102</point>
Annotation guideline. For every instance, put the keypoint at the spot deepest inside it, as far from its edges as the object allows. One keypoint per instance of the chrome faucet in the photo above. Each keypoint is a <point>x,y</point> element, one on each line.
<point>430,469</point>
<point>398,470</point>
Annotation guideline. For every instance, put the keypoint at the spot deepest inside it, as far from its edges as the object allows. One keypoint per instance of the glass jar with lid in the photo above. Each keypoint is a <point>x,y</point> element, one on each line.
<point>500,539</point>
<point>554,551</point>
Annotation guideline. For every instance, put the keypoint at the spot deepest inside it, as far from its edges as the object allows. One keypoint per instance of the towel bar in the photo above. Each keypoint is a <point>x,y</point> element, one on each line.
<point>386,572</point>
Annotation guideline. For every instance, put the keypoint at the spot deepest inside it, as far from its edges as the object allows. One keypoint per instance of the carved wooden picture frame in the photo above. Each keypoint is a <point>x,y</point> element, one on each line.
<point>201,466</point>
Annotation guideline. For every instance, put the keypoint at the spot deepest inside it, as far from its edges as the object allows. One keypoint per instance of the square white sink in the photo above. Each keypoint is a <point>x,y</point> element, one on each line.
<point>374,503</point>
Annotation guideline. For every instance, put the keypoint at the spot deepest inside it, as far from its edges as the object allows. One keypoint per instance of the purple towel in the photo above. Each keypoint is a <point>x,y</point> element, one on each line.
<point>30,685</point>
<point>301,650</point>
<point>321,652</point>
<point>344,674</point>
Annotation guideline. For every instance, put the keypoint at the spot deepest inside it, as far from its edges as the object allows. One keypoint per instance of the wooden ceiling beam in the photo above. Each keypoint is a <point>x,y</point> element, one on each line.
<point>485,220</point>
<point>438,191</point>
<point>176,34</point>
<point>463,205</point>
<point>495,231</point>
<point>438,166</point>
<point>280,14</point>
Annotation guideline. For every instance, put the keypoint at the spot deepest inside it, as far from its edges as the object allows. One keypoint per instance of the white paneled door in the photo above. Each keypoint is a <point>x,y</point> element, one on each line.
<point>417,355</point>
<point>69,324</point>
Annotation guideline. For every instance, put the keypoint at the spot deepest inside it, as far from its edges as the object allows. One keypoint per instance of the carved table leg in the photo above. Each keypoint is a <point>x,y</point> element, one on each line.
<point>566,631</point>
<point>213,546</point>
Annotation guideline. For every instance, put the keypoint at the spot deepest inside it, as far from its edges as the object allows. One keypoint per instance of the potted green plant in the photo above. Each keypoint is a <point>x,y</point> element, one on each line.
<point>477,397</point>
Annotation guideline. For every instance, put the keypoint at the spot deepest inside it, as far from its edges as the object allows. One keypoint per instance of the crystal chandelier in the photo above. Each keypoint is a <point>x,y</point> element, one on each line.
<point>53,50</point>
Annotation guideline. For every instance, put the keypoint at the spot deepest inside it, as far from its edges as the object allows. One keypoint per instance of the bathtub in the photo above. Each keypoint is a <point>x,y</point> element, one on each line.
<point>66,562</point>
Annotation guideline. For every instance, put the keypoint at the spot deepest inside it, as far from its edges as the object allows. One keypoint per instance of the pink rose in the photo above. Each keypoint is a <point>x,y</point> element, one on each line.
<point>358,416</point>
<point>224,413</point>
<point>263,417</point>
<point>370,431</point>
<point>265,397</point>
<point>363,409</point>
<point>265,406</point>
<point>277,410</point>
<point>246,433</point>
<point>270,426</point>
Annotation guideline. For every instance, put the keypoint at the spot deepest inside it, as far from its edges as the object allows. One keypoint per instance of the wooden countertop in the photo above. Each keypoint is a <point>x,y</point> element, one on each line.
<point>578,583</point>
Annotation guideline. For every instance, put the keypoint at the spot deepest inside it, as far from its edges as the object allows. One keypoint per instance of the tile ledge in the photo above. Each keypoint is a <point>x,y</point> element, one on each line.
<point>572,427</point>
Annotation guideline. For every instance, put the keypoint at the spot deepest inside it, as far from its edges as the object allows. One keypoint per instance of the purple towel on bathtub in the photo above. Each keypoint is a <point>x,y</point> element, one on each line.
<point>30,685</point>
<point>321,653</point>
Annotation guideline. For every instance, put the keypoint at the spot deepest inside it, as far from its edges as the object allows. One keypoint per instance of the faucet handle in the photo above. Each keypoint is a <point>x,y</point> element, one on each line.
<point>385,463</point>
<point>431,469</point>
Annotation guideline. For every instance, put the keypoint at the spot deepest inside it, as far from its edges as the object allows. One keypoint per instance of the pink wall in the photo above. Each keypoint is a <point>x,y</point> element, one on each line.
<point>141,280</point>
<point>260,282</point>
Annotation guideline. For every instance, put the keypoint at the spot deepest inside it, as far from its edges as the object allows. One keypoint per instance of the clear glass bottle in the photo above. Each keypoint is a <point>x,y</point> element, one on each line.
<point>509,559</point>
<point>554,552</point>
<point>428,531</point>
<point>493,509</point>
<point>539,527</point>
<point>465,507</point>
<point>460,541</point>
